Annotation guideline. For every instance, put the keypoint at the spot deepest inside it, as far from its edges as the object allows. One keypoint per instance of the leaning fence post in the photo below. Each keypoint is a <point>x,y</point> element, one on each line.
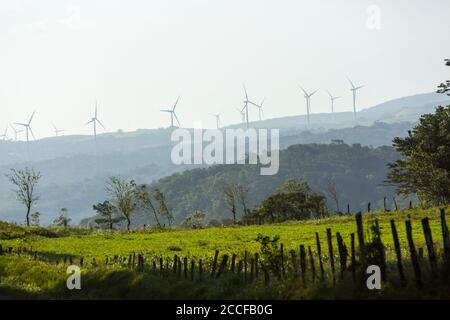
<point>319,253</point>
<point>343,254</point>
<point>330,253</point>
<point>430,246</point>
<point>223,265</point>
<point>266,274</point>
<point>214,265</point>
<point>311,260</point>
<point>353,257</point>
<point>398,253</point>
<point>233,262</point>
<point>412,250</point>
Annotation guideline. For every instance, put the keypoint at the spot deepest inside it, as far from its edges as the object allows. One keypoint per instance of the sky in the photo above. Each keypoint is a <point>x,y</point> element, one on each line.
<point>136,57</point>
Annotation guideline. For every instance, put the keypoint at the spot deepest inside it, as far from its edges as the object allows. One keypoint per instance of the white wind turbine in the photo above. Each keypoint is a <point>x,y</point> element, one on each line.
<point>332,98</point>
<point>57,131</point>
<point>27,126</point>
<point>16,132</point>
<point>353,89</point>
<point>308,102</point>
<point>246,102</point>
<point>172,113</point>
<point>260,109</point>
<point>94,121</point>
<point>218,121</point>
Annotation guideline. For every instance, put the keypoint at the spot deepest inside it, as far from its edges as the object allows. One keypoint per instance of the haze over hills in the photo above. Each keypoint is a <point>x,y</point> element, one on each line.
<point>75,167</point>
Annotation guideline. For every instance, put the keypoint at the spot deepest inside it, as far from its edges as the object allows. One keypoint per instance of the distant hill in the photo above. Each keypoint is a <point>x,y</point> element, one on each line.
<point>75,167</point>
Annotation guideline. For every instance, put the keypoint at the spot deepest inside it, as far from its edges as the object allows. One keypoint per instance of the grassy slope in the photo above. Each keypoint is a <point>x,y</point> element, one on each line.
<point>202,243</point>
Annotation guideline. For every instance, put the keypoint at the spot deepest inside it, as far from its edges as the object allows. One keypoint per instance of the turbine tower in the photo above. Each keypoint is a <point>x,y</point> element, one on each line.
<point>217,115</point>
<point>27,126</point>
<point>332,98</point>
<point>172,113</point>
<point>242,113</point>
<point>16,132</point>
<point>353,89</point>
<point>308,102</point>
<point>57,131</point>
<point>94,121</point>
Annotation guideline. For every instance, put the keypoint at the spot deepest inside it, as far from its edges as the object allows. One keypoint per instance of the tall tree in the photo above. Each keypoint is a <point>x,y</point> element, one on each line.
<point>229,191</point>
<point>107,214</point>
<point>124,196</point>
<point>25,182</point>
<point>163,207</point>
<point>146,202</point>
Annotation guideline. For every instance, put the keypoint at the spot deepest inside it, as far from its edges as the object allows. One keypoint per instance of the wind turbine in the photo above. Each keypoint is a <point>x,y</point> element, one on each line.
<point>15,132</point>
<point>353,89</point>
<point>332,98</point>
<point>242,113</point>
<point>217,115</point>
<point>260,109</point>
<point>28,127</point>
<point>57,131</point>
<point>308,101</point>
<point>172,113</point>
<point>4,136</point>
<point>246,102</point>
<point>94,121</point>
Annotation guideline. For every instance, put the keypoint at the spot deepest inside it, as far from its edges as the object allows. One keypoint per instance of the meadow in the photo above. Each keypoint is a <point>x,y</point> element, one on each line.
<point>22,276</point>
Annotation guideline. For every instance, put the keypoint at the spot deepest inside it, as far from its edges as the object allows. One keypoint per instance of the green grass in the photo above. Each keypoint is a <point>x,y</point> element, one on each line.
<point>24,277</point>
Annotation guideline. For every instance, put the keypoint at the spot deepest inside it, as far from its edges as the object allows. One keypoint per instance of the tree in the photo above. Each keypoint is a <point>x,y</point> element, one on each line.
<point>62,220</point>
<point>146,202</point>
<point>107,212</point>
<point>332,191</point>
<point>25,182</point>
<point>229,192</point>
<point>424,166</point>
<point>196,220</point>
<point>35,219</point>
<point>124,196</point>
<point>445,86</point>
<point>163,208</point>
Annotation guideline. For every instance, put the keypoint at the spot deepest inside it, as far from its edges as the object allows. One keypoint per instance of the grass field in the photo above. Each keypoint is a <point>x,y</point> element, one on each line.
<point>56,243</point>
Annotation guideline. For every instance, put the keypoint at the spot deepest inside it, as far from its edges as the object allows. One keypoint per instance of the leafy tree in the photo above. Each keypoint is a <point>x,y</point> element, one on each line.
<point>35,219</point>
<point>107,212</point>
<point>270,252</point>
<point>146,202</point>
<point>424,167</point>
<point>25,182</point>
<point>124,196</point>
<point>163,208</point>
<point>294,201</point>
<point>445,86</point>
<point>196,220</point>
<point>62,220</point>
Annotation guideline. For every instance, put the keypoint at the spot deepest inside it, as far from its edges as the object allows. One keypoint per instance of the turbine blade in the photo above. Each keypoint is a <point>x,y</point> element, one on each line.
<point>29,121</point>
<point>101,124</point>
<point>303,90</point>
<point>176,102</point>
<point>89,122</point>
<point>170,111</point>
<point>245,90</point>
<point>32,134</point>
<point>21,124</point>
<point>351,83</point>
<point>312,93</point>
<point>175,115</point>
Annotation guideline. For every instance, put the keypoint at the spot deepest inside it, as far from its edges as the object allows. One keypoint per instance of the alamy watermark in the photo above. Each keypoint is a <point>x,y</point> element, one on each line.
<point>74,280</point>
<point>228,146</point>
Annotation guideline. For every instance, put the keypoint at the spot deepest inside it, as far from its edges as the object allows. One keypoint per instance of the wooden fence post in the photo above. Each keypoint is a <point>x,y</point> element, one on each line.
<point>252,268</point>
<point>185,265</point>
<point>192,269</point>
<point>200,268</point>
<point>303,264</point>
<point>294,263</point>
<point>282,271</point>
<point>81,262</point>
<point>330,253</point>
<point>245,265</point>
<point>266,274</point>
<point>240,267</point>
<point>223,265</point>
<point>179,268</point>
<point>311,261</point>
<point>412,250</point>
<point>362,247</point>
<point>161,265</point>
<point>430,246</point>
<point>233,262</point>
<point>319,254</point>
<point>343,254</point>
<point>398,253</point>
<point>353,257</point>
<point>1,250</point>
<point>214,264</point>
<point>256,265</point>
<point>175,264</point>
<point>445,237</point>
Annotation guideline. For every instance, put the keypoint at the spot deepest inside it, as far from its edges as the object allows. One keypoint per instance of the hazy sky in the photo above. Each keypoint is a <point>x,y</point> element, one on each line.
<point>136,57</point>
